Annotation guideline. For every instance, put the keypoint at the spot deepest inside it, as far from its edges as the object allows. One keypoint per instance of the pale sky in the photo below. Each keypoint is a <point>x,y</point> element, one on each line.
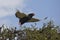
<point>41,8</point>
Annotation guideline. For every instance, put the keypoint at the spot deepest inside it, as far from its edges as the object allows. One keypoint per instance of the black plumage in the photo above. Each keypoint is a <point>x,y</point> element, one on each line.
<point>23,18</point>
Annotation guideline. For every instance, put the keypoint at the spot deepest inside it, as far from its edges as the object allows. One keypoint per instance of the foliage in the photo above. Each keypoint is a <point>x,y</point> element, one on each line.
<point>47,32</point>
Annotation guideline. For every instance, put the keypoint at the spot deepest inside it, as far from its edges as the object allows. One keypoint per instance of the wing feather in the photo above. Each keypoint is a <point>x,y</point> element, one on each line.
<point>33,20</point>
<point>20,15</point>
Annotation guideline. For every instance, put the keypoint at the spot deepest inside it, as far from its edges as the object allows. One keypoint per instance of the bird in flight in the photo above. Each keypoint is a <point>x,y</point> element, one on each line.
<point>23,18</point>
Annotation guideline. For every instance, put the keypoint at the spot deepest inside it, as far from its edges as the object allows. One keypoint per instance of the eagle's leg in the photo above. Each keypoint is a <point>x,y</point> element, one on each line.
<point>20,24</point>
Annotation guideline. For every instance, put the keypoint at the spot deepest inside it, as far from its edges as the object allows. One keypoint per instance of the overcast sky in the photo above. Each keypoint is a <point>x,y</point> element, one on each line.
<point>41,8</point>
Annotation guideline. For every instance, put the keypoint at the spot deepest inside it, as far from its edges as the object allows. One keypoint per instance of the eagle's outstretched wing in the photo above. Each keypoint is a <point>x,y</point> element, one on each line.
<point>33,20</point>
<point>20,15</point>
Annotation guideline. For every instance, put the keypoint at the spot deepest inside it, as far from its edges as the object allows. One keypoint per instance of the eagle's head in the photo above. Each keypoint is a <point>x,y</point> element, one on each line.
<point>31,15</point>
